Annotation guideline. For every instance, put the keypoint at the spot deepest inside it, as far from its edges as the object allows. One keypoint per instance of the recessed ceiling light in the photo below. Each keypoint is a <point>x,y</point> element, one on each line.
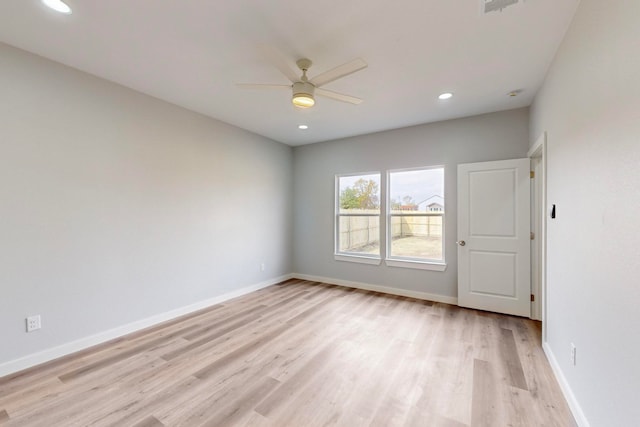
<point>445,95</point>
<point>303,127</point>
<point>58,6</point>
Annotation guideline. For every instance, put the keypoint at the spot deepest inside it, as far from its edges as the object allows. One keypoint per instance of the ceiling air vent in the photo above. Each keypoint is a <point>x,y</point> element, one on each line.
<point>496,5</point>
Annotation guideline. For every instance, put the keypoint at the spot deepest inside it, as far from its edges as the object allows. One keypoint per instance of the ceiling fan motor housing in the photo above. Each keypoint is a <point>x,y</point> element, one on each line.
<point>303,88</point>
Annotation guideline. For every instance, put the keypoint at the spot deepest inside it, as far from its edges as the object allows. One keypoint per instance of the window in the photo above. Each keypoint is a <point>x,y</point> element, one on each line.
<point>415,220</point>
<point>414,227</point>
<point>358,217</point>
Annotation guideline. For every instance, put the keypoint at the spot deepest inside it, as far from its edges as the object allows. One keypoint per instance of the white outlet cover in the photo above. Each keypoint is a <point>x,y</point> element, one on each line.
<point>33,323</point>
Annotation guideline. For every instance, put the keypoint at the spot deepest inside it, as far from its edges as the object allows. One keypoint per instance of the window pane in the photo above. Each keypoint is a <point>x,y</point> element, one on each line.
<point>359,197</point>
<point>412,192</point>
<point>359,234</point>
<point>416,237</point>
<point>359,194</point>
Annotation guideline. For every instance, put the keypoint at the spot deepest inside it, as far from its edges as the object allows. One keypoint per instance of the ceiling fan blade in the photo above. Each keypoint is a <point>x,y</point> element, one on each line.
<point>338,96</point>
<point>279,61</point>
<point>262,86</point>
<point>338,72</point>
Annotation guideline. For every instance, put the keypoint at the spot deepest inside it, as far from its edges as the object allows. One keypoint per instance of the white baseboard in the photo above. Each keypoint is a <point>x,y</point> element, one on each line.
<point>47,355</point>
<point>575,407</point>
<point>377,288</point>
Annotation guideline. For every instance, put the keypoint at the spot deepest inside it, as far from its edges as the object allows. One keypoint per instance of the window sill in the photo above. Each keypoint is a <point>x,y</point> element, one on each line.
<point>357,258</point>
<point>420,265</point>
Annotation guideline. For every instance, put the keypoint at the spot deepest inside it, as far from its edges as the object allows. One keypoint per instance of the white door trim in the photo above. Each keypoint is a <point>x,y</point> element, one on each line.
<point>539,150</point>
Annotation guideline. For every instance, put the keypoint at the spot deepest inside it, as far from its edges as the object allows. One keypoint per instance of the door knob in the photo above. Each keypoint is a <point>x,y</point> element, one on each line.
<point>461,243</point>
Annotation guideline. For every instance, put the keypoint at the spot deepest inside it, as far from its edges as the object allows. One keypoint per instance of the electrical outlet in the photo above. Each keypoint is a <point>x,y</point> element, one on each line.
<point>33,323</point>
<point>573,354</point>
<point>262,266</point>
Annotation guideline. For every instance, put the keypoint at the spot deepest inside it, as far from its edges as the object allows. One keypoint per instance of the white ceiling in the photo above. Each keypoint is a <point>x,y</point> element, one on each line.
<point>192,52</point>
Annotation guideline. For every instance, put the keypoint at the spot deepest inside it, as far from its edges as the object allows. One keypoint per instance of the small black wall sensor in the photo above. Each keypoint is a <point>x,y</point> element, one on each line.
<point>553,211</point>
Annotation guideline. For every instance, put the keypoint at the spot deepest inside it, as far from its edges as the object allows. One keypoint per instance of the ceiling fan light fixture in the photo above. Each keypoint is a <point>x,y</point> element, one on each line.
<point>58,6</point>
<point>303,100</point>
<point>303,95</point>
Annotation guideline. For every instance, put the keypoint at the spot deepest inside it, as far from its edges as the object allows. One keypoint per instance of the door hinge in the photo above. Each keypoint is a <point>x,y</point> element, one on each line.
<point>533,235</point>
<point>532,174</point>
<point>533,297</point>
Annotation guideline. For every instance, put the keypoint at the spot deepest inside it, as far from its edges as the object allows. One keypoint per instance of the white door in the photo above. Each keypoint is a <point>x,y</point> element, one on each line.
<point>493,236</point>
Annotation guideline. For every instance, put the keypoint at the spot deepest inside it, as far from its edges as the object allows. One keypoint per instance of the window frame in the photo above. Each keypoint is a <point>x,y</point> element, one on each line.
<point>355,256</point>
<point>411,262</point>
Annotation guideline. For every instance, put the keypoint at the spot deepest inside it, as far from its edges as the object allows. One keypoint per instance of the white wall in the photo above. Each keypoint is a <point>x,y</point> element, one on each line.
<point>590,107</point>
<point>115,206</point>
<point>495,136</point>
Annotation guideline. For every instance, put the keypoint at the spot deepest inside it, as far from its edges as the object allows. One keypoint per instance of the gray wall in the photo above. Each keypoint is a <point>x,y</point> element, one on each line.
<point>590,107</point>
<point>496,136</point>
<point>115,206</point>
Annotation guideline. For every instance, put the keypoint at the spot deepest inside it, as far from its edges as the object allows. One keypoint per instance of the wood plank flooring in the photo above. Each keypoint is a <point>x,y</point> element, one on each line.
<point>302,354</point>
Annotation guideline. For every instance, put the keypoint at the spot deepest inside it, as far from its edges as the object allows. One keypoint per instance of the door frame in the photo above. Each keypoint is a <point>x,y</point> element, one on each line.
<point>539,263</point>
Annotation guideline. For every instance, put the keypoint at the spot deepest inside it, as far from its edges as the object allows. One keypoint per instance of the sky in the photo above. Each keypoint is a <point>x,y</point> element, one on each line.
<point>419,184</point>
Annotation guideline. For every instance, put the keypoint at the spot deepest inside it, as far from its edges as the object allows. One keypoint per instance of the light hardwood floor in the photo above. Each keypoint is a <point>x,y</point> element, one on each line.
<point>302,354</point>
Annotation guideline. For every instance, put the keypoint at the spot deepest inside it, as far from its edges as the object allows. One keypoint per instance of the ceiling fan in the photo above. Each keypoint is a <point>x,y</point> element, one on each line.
<point>303,88</point>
